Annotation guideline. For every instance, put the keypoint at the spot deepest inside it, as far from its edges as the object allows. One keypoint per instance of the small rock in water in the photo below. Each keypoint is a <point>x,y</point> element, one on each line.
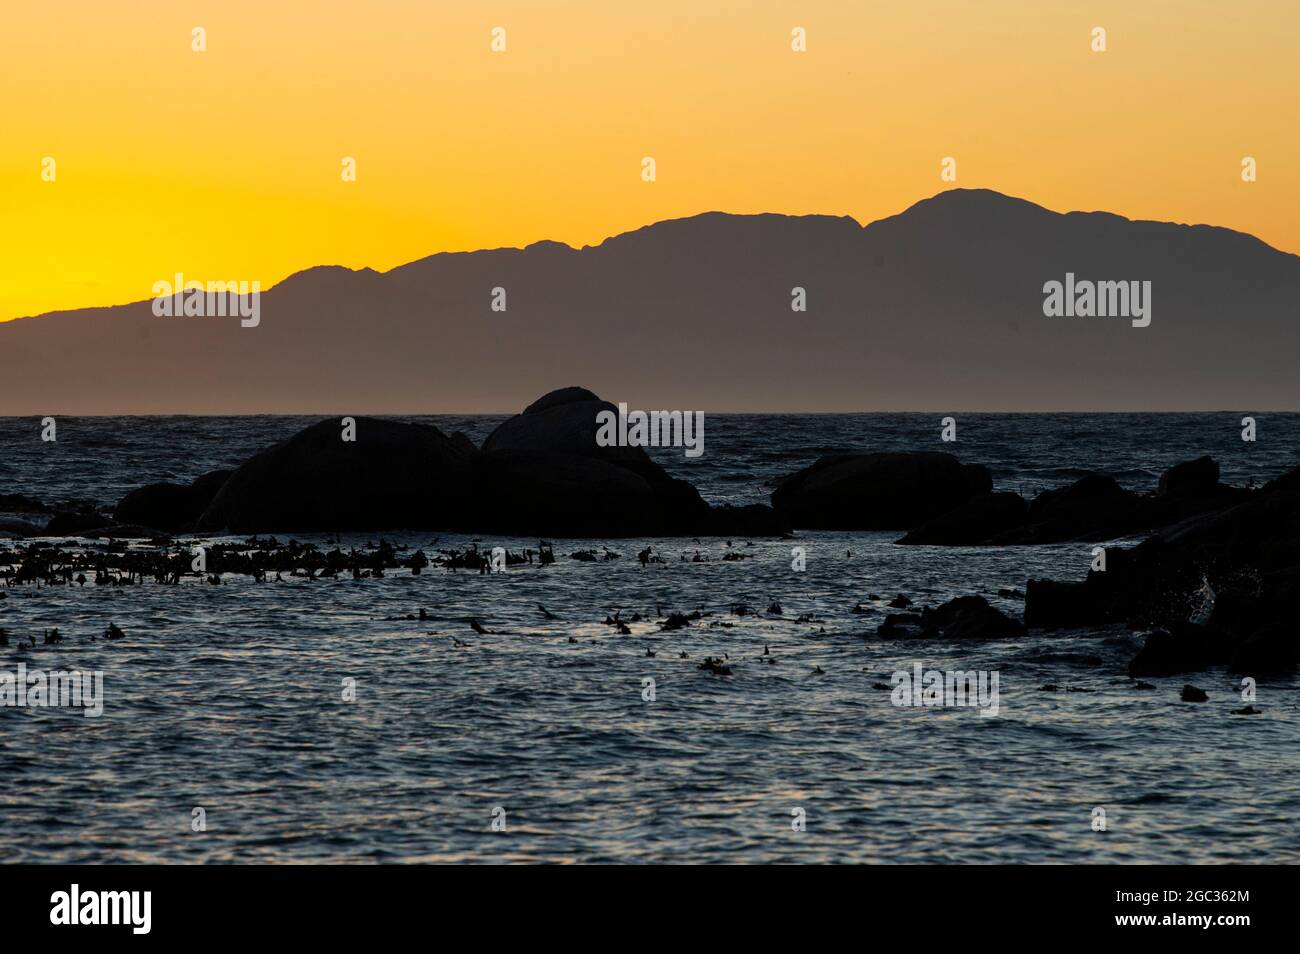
<point>1192,694</point>
<point>1248,710</point>
<point>678,621</point>
<point>899,602</point>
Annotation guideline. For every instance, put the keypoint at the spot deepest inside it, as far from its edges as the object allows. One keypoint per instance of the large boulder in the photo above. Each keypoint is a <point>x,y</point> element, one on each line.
<point>564,422</point>
<point>1271,651</point>
<point>1189,489</point>
<point>393,476</point>
<point>973,522</point>
<point>170,507</point>
<point>74,523</point>
<point>561,495</point>
<point>1050,604</point>
<point>970,617</point>
<point>1193,477</point>
<point>1094,507</point>
<point>962,618</point>
<point>542,471</point>
<point>1169,652</point>
<point>892,491</point>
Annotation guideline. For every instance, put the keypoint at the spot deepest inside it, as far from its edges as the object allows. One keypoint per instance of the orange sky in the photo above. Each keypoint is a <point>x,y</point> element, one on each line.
<point>226,164</point>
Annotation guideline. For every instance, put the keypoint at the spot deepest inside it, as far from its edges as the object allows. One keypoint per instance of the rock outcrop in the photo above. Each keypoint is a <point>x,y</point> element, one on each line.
<point>973,522</point>
<point>893,491</point>
<point>1093,509</point>
<point>963,618</point>
<point>393,476</point>
<point>170,507</point>
<point>543,472</point>
<point>1234,571</point>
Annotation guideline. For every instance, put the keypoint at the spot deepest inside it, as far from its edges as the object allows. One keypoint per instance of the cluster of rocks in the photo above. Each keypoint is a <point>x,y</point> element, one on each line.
<point>1220,587</point>
<point>1215,582</point>
<point>963,618</point>
<point>942,502</point>
<point>543,473</point>
<point>539,473</point>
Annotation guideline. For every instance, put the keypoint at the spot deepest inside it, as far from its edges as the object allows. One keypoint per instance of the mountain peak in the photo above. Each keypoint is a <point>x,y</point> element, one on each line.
<point>983,204</point>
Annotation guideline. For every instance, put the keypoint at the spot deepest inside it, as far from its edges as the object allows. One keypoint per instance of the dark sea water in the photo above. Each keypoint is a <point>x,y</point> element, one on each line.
<point>229,698</point>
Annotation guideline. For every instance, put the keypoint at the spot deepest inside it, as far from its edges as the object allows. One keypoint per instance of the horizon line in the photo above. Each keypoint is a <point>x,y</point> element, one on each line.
<point>765,413</point>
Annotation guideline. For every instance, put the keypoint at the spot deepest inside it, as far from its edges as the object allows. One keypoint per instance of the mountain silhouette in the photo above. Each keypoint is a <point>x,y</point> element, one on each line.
<point>938,308</point>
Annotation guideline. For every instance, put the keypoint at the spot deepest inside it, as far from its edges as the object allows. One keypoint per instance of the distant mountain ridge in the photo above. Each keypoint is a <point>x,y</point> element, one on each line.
<point>938,308</point>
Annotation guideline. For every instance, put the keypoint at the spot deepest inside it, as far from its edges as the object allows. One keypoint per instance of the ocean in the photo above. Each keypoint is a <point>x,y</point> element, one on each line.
<point>539,740</point>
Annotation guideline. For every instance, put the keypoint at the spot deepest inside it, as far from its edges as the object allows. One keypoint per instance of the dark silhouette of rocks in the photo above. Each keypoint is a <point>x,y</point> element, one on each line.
<point>563,421</point>
<point>1168,652</point>
<point>393,476</point>
<point>935,308</point>
<point>21,526</point>
<point>972,523</point>
<point>540,473</point>
<point>963,618</point>
<point>565,484</point>
<point>970,617</point>
<point>895,491</point>
<point>170,507</point>
<point>1236,570</point>
<point>19,503</point>
<point>76,523</point>
<point>900,626</point>
<point>1094,508</point>
<point>1269,651</point>
<point>1192,478</point>
<point>559,495</point>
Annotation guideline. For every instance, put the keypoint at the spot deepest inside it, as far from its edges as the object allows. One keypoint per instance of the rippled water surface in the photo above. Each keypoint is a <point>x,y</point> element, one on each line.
<point>229,697</point>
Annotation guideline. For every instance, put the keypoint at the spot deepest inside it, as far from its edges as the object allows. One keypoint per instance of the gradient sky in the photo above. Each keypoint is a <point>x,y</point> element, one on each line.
<point>225,164</point>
